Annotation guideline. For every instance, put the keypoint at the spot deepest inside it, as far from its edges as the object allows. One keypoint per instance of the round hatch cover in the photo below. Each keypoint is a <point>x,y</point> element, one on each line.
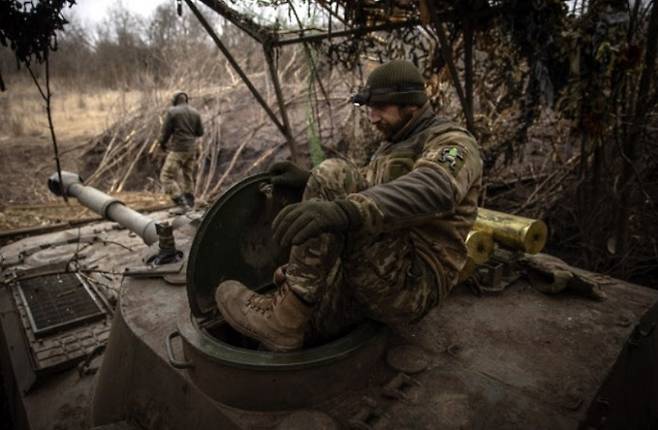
<point>234,241</point>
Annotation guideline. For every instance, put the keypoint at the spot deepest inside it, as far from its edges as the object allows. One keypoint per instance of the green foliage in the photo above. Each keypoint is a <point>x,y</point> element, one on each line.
<point>313,134</point>
<point>314,142</point>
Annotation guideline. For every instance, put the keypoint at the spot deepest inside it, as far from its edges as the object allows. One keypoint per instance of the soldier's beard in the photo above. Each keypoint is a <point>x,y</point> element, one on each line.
<point>391,129</point>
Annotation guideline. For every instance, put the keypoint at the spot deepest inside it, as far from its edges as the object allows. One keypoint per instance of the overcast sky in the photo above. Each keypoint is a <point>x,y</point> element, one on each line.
<point>93,11</point>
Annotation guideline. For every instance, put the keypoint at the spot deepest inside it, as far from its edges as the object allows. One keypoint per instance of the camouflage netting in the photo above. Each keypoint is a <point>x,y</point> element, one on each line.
<point>557,95</point>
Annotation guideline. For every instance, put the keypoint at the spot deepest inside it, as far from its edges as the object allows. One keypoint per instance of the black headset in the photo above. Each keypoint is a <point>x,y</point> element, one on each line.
<point>367,95</point>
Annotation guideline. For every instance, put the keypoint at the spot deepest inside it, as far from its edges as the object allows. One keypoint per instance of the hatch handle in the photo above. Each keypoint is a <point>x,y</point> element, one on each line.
<point>170,353</point>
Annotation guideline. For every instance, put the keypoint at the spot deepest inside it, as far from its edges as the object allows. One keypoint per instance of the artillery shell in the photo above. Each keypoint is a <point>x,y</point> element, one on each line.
<point>480,245</point>
<point>525,234</point>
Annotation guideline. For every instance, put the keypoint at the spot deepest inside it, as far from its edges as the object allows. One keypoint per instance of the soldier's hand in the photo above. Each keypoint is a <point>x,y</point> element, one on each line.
<point>288,174</point>
<point>299,222</point>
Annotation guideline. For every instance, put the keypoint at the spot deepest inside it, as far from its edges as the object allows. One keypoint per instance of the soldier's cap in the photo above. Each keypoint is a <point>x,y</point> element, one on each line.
<point>177,94</point>
<point>397,82</point>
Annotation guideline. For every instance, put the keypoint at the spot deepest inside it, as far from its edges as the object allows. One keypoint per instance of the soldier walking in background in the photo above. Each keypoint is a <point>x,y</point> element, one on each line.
<point>182,126</point>
<point>387,245</point>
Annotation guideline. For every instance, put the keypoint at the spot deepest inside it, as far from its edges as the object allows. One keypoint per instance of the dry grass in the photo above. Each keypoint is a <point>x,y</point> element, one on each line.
<point>20,216</point>
<point>26,151</point>
<point>75,113</point>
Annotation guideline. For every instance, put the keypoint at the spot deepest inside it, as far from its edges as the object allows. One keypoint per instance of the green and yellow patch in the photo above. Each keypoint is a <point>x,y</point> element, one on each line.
<point>453,158</point>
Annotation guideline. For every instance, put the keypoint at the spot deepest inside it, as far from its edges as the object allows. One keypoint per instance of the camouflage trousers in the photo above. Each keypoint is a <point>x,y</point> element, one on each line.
<point>352,277</point>
<point>177,174</point>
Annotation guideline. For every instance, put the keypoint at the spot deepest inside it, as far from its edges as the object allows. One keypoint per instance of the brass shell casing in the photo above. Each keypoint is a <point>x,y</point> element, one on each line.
<point>525,234</point>
<point>480,246</point>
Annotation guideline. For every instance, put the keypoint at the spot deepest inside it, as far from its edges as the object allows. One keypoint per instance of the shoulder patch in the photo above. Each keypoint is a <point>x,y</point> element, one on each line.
<point>453,157</point>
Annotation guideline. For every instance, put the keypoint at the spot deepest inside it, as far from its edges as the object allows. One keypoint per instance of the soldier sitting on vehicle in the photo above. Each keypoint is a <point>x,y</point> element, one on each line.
<point>388,245</point>
<point>182,126</point>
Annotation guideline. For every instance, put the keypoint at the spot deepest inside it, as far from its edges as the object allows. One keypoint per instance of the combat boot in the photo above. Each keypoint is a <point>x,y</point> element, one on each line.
<point>276,320</point>
<point>179,200</point>
<point>189,199</point>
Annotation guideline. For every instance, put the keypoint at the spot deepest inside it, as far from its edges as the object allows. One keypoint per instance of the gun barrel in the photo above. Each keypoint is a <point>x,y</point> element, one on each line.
<point>106,206</point>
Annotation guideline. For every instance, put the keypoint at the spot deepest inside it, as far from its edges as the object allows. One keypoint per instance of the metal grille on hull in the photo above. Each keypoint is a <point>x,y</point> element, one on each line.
<point>58,301</point>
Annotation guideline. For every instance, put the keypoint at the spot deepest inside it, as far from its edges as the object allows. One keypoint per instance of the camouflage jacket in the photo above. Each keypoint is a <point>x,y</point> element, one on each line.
<point>426,179</point>
<point>183,125</point>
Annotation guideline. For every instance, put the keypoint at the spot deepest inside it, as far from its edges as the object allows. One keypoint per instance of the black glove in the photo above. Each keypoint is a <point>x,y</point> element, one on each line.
<point>299,222</point>
<point>288,174</point>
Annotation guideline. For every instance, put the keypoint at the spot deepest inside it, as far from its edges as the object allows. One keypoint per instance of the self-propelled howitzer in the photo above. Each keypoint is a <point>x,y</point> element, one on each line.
<point>138,341</point>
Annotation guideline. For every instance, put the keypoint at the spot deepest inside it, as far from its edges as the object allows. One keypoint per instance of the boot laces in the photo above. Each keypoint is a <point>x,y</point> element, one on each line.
<point>264,303</point>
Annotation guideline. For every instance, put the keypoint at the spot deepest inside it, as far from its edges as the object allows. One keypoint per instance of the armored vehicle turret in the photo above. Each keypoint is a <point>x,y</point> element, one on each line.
<point>113,325</point>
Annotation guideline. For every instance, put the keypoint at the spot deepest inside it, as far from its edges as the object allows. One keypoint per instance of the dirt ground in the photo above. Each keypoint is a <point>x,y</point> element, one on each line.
<point>26,150</point>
